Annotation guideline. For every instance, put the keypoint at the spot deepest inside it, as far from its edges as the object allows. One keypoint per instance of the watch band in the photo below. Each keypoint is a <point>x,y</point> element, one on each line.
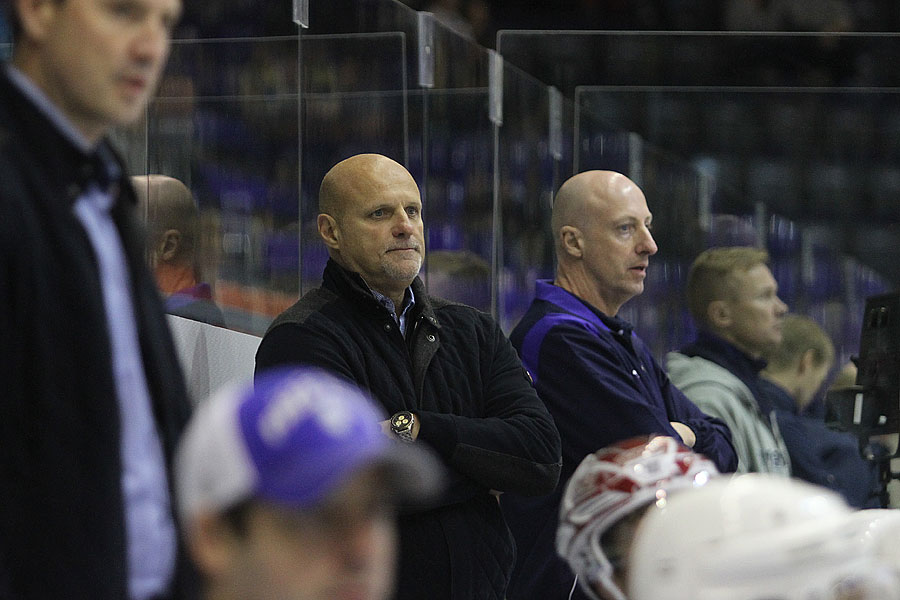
<point>402,425</point>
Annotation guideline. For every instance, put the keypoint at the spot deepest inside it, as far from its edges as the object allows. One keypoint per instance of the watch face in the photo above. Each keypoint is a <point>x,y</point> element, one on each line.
<point>401,421</point>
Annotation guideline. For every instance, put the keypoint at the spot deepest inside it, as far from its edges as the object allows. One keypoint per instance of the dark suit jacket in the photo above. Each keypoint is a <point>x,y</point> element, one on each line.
<point>62,532</point>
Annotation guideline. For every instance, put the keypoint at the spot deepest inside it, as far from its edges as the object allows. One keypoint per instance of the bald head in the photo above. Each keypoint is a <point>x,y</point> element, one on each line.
<point>166,201</point>
<point>601,230</point>
<point>583,195</point>
<point>370,218</point>
<point>172,218</point>
<point>358,177</point>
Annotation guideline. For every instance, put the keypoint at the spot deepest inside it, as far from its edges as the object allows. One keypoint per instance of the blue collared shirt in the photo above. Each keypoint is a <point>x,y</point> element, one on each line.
<point>409,300</point>
<point>150,529</point>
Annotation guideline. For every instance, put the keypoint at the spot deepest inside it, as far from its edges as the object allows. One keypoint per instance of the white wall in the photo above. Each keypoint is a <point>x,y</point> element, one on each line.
<point>212,356</point>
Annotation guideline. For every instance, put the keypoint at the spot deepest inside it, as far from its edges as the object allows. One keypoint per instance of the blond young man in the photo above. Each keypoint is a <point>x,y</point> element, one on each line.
<point>733,299</point>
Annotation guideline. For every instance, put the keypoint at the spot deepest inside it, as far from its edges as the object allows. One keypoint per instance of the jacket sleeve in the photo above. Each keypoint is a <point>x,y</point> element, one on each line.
<point>717,401</point>
<point>513,445</point>
<point>594,394</point>
<point>294,344</point>
<point>830,459</point>
<point>714,439</point>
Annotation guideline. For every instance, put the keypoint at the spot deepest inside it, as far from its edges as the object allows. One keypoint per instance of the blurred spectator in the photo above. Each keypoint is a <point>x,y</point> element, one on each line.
<point>461,276</point>
<point>612,15</point>
<point>93,394</point>
<point>449,13</point>
<point>794,374</point>
<point>173,247</point>
<point>478,14</point>
<point>788,15</point>
<point>825,60</point>
<point>288,489</point>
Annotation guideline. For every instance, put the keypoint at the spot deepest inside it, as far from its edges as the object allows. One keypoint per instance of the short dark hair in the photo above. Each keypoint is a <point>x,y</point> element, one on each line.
<point>12,17</point>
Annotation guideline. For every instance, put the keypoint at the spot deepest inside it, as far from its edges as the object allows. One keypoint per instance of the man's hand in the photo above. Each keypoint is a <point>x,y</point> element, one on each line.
<point>686,433</point>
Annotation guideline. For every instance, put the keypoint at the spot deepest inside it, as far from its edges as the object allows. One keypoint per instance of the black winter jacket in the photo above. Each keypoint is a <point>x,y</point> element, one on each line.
<point>457,371</point>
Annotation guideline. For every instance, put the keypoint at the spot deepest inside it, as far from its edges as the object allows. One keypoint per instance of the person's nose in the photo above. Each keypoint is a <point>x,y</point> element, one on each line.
<point>647,245</point>
<point>781,308</point>
<point>403,225</point>
<point>151,44</point>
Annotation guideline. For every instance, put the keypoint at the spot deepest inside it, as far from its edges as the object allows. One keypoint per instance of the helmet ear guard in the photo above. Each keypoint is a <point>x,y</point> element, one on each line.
<point>611,484</point>
<point>757,536</point>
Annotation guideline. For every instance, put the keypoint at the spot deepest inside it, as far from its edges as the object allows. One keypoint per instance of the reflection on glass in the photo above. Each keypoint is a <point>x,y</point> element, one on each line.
<point>250,126</point>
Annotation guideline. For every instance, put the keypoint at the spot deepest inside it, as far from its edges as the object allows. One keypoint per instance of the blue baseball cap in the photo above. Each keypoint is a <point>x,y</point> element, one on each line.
<point>292,438</point>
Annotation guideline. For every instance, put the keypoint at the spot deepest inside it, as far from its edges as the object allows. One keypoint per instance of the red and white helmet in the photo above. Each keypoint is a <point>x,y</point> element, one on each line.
<point>756,537</point>
<point>609,485</point>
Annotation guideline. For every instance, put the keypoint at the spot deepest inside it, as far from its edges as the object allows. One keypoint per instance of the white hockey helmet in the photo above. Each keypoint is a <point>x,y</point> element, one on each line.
<point>611,484</point>
<point>756,537</point>
<point>880,529</point>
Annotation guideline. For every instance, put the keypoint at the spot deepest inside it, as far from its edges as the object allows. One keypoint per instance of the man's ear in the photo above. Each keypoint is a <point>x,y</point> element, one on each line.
<point>807,362</point>
<point>328,230</point>
<point>169,245</point>
<point>36,17</point>
<point>572,241</point>
<point>719,314</point>
<point>212,544</point>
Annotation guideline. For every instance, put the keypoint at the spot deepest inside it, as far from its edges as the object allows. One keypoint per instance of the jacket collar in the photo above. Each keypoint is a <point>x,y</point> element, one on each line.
<point>350,284</point>
<point>546,290</point>
<point>728,356</point>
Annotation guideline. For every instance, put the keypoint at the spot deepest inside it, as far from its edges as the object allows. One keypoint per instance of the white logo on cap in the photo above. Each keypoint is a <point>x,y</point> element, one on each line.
<point>294,403</point>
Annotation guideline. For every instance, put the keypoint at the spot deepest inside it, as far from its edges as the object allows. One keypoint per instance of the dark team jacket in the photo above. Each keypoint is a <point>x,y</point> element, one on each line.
<point>457,371</point>
<point>820,455</point>
<point>62,528</point>
<point>601,385</point>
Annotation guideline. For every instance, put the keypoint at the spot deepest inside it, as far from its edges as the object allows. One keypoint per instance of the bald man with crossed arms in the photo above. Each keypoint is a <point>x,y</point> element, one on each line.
<point>444,371</point>
<point>597,378</point>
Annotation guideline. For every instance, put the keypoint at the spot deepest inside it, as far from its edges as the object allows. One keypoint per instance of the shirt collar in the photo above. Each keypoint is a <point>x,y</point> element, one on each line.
<point>409,299</point>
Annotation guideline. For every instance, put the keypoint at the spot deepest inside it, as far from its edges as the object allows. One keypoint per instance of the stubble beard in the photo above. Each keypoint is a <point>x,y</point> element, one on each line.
<point>405,270</point>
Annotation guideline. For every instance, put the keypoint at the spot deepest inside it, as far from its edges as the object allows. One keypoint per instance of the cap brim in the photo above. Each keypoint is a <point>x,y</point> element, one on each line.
<point>415,473</point>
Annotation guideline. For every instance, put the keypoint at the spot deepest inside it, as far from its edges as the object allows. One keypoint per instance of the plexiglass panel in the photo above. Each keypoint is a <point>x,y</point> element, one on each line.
<point>725,152</point>
<point>775,140</point>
